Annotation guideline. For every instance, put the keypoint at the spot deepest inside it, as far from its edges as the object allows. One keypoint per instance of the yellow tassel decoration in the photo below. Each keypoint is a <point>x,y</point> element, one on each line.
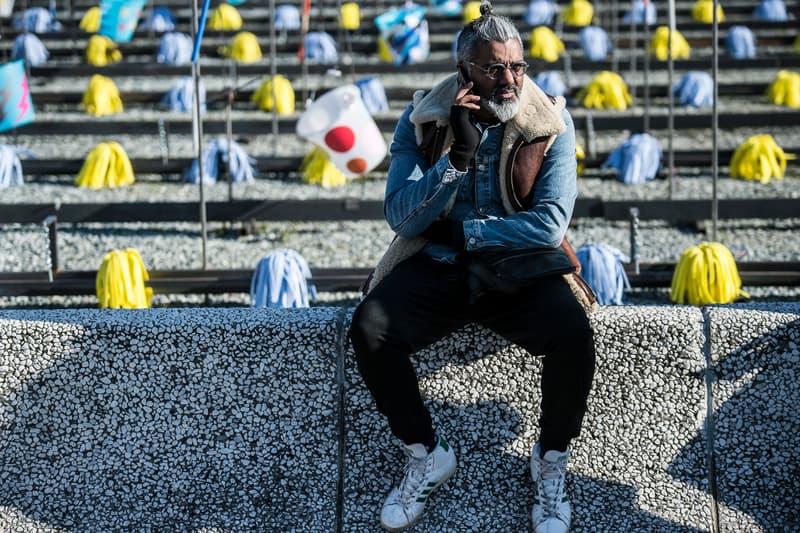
<point>90,22</point>
<point>580,155</point>
<point>759,158</point>
<point>350,16</point>
<point>107,165</point>
<point>703,11</point>
<point>785,89</point>
<point>606,90</point>
<point>102,51</point>
<point>659,44</point>
<point>102,97</point>
<point>284,94</point>
<point>225,17</point>
<point>472,10</point>
<point>244,48</point>
<point>318,169</point>
<point>578,13</point>
<point>120,281</point>
<point>545,44</point>
<point>706,274</point>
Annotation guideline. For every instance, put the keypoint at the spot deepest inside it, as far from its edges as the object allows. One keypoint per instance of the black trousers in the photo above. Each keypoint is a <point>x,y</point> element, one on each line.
<point>423,300</point>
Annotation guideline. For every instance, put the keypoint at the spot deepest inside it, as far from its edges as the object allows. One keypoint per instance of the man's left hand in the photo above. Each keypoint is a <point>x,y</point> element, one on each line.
<point>449,232</point>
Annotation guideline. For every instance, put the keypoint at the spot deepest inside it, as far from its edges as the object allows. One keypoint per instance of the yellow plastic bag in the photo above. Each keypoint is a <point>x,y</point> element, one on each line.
<point>120,281</point>
<point>607,90</point>
<point>101,97</point>
<point>225,17</point>
<point>785,89</point>
<point>759,158</point>
<point>107,165</point>
<point>659,44</point>
<point>545,44</point>
<point>578,13</point>
<point>90,22</point>
<point>350,16</point>
<point>706,274</point>
<point>472,10</point>
<point>318,169</point>
<point>284,94</point>
<point>244,48</point>
<point>101,51</point>
<point>703,11</point>
<point>580,155</point>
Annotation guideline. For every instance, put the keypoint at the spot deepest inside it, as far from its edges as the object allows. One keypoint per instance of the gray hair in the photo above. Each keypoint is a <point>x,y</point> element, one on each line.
<point>487,28</point>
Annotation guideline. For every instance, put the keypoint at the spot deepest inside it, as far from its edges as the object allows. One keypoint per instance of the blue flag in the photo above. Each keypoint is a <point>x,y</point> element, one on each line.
<point>119,19</point>
<point>16,106</point>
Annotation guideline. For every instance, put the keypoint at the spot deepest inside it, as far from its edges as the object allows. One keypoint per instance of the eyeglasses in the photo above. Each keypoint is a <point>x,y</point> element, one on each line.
<point>498,70</point>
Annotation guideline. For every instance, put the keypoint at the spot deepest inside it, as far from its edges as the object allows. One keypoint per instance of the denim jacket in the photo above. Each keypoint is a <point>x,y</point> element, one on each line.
<point>417,193</point>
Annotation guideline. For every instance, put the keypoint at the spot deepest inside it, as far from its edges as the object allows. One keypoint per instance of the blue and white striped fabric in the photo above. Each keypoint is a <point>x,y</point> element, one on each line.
<point>595,43</point>
<point>10,165</point>
<point>695,88</point>
<point>320,47</point>
<point>541,12</point>
<point>373,94</point>
<point>551,82</point>
<point>180,96</point>
<point>175,49</point>
<point>637,159</point>
<point>287,17</point>
<point>771,10</point>
<point>445,7</point>
<point>640,12</point>
<point>37,20</point>
<point>603,269</point>
<point>240,166</point>
<point>28,47</point>
<point>280,280</point>
<point>740,43</point>
<point>160,20</point>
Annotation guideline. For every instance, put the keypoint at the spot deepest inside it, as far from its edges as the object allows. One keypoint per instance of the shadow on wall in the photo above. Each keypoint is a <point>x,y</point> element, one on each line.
<point>204,431</point>
<point>756,425</point>
<point>488,421</point>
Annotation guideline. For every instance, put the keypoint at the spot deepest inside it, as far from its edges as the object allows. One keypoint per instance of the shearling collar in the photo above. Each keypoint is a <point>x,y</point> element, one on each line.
<point>538,116</point>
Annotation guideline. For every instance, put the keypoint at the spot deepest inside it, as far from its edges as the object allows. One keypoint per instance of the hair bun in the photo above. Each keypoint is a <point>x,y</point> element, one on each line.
<point>486,8</point>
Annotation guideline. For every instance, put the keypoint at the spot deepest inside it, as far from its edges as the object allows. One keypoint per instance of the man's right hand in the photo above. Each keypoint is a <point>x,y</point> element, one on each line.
<point>466,136</point>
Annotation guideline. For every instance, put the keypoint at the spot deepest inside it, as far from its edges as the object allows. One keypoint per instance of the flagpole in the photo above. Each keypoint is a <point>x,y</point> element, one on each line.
<point>197,35</point>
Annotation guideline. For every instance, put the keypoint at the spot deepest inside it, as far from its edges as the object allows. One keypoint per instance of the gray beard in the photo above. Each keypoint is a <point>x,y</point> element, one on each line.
<point>505,111</point>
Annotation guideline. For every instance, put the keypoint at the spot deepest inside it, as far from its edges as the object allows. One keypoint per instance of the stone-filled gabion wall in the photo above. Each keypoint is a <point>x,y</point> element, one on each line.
<point>256,420</point>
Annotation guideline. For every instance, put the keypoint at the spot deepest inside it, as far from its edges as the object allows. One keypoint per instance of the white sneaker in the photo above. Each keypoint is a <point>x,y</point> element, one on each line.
<point>424,472</point>
<point>551,510</point>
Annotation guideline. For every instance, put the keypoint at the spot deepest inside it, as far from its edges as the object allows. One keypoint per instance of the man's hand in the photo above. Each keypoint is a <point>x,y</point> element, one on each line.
<point>449,232</point>
<point>466,137</point>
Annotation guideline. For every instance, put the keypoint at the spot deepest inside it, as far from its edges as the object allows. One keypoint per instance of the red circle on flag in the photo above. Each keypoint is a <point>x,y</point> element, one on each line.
<point>340,139</point>
<point>357,165</point>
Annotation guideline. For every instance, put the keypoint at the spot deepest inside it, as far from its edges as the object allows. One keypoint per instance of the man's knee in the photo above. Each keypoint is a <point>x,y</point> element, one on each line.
<point>367,327</point>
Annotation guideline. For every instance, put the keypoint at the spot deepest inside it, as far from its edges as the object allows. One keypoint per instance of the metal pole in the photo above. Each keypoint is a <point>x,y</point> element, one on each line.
<point>273,71</point>
<point>671,115</point>
<point>229,137</point>
<point>714,125</point>
<point>646,71</point>
<point>633,46</point>
<point>614,37</point>
<point>198,139</point>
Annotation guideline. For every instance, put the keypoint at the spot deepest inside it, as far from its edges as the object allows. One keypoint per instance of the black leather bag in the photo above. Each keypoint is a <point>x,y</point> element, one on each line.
<point>511,271</point>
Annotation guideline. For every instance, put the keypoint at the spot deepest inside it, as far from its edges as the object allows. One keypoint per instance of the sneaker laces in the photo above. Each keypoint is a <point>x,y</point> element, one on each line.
<point>415,473</point>
<point>551,487</point>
